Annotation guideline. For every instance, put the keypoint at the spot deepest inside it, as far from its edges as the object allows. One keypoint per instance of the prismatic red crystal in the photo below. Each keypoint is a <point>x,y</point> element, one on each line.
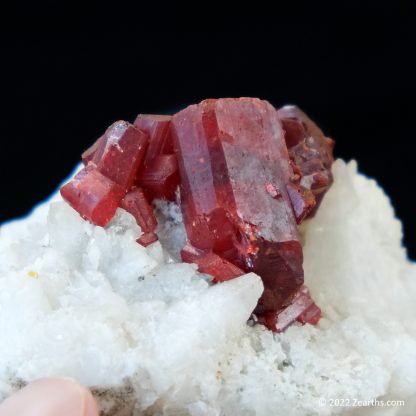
<point>229,150</point>
<point>211,263</point>
<point>147,238</point>
<point>248,174</point>
<point>120,152</point>
<point>93,195</point>
<point>302,309</point>
<point>159,176</point>
<point>135,203</point>
<point>302,199</point>
<point>160,136</point>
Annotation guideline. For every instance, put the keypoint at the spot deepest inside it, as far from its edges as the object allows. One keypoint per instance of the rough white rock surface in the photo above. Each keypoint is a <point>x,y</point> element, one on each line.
<point>150,336</point>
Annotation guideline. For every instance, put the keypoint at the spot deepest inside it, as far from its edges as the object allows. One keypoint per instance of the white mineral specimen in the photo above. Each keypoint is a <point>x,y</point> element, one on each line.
<point>150,335</point>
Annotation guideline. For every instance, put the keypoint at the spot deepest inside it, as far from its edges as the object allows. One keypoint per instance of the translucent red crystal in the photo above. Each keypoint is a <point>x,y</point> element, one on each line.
<point>147,238</point>
<point>93,195</point>
<point>120,152</point>
<point>158,128</point>
<point>302,309</point>
<point>211,263</point>
<point>160,177</point>
<point>302,199</point>
<point>135,203</point>
<point>228,150</point>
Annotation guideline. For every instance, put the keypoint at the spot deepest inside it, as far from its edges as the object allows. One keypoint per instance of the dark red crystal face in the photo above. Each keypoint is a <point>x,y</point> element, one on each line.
<point>311,154</point>
<point>248,174</point>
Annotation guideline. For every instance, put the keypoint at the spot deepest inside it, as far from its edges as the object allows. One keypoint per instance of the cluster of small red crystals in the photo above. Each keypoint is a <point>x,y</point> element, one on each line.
<point>302,309</point>
<point>311,155</point>
<point>127,167</point>
<point>248,174</point>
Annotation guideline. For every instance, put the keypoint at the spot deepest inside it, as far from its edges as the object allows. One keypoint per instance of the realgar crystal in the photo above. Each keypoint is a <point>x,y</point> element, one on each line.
<point>229,152</point>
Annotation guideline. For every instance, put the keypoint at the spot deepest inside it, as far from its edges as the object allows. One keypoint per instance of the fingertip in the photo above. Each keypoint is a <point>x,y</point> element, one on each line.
<point>51,397</point>
<point>89,404</point>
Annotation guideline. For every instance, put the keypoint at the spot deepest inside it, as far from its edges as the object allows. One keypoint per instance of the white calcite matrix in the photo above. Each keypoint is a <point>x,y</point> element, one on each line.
<point>150,336</point>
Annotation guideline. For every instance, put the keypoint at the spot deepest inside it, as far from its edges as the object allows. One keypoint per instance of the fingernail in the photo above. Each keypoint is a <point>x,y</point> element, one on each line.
<point>50,397</point>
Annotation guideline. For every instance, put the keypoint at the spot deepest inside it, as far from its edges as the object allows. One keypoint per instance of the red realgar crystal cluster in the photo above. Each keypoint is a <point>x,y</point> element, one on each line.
<point>248,174</point>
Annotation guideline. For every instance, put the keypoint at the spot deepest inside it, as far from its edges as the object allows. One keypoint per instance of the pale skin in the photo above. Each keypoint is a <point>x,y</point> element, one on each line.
<point>51,397</point>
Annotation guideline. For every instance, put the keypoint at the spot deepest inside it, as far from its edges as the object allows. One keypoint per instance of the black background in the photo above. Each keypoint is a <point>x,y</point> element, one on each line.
<point>65,79</point>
